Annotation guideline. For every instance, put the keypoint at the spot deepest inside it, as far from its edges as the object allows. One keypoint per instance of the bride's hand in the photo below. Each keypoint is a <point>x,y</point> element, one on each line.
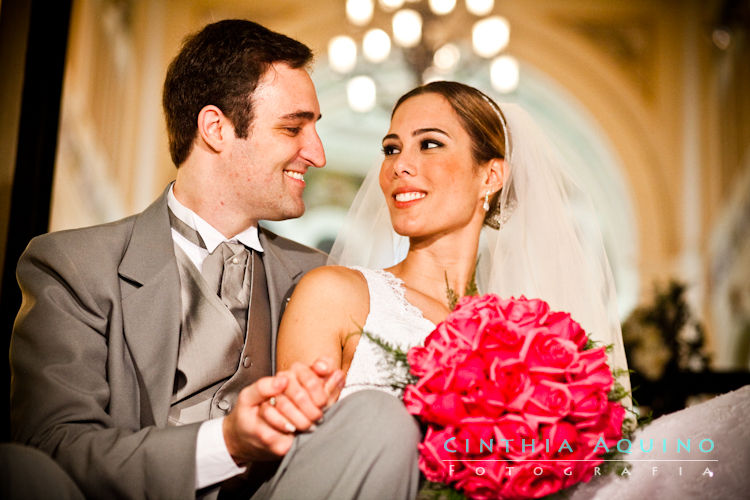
<point>333,385</point>
<point>310,391</point>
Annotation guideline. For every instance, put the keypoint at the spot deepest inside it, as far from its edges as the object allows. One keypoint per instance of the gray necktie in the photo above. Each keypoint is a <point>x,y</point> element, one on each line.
<point>226,270</point>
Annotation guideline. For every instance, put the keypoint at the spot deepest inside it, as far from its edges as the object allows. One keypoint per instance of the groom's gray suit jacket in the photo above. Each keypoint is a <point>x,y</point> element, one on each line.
<point>94,352</point>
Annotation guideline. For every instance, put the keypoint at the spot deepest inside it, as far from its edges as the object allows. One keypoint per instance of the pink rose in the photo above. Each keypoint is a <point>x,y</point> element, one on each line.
<point>482,479</point>
<point>469,374</point>
<point>591,366</point>
<point>489,302</point>
<point>415,401</point>
<point>434,381</point>
<point>433,456</point>
<point>479,437</point>
<point>591,446</point>
<point>550,399</point>
<point>445,337</point>
<point>470,318</point>
<point>616,413</point>
<point>563,440</point>
<point>609,424</point>
<point>446,409</point>
<point>452,357</point>
<point>509,385</point>
<point>524,312</point>
<point>589,402</point>
<point>503,337</point>
<point>584,469</point>
<point>421,360</point>
<point>600,377</point>
<point>477,487</point>
<point>517,437</point>
<point>562,325</point>
<point>533,480</point>
<point>574,472</point>
<point>547,353</point>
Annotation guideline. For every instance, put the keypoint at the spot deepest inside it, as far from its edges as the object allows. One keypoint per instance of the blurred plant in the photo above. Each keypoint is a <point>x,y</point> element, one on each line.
<point>664,338</point>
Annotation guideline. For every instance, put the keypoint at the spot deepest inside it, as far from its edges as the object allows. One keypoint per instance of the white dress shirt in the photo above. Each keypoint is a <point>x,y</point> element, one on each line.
<point>213,463</point>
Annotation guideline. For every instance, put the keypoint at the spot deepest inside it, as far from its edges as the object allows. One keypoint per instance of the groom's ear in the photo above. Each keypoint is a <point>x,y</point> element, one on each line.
<point>213,128</point>
<point>496,174</point>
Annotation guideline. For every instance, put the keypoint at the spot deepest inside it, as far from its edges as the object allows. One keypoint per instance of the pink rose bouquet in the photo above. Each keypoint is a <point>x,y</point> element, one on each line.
<point>514,398</point>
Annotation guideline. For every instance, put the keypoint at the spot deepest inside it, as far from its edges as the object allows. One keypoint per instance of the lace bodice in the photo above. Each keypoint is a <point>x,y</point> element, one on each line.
<point>391,318</point>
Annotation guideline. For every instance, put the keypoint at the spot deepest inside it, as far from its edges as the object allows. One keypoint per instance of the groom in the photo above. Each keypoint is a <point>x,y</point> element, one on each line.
<point>142,356</point>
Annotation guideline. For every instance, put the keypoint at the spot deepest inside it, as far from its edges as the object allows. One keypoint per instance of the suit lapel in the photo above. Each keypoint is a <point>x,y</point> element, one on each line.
<point>281,272</point>
<point>150,288</point>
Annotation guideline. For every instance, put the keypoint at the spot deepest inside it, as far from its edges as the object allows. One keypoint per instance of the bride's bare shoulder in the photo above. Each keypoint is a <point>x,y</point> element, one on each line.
<point>336,284</point>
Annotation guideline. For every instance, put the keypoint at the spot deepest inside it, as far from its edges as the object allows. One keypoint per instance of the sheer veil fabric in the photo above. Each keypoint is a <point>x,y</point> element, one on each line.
<point>540,251</point>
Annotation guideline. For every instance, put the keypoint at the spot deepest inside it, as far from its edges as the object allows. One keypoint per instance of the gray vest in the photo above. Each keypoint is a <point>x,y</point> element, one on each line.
<point>216,359</point>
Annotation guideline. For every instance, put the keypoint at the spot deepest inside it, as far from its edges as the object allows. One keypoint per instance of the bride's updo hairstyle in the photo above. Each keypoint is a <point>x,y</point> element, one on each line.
<point>481,118</point>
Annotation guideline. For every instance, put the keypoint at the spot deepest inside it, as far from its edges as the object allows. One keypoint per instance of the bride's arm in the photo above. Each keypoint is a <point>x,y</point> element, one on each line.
<point>327,306</point>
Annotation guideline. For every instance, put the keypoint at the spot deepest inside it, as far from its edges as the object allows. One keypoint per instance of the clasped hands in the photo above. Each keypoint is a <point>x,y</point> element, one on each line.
<point>258,430</point>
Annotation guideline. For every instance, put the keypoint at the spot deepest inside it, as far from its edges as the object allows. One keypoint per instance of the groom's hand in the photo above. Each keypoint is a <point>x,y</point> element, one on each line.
<point>268,412</point>
<point>249,437</point>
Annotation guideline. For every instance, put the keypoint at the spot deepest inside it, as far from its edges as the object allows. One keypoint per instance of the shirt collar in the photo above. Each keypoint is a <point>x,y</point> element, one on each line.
<point>212,237</point>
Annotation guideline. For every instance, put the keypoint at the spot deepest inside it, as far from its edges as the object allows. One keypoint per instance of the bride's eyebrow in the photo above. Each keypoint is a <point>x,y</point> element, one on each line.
<point>420,131</point>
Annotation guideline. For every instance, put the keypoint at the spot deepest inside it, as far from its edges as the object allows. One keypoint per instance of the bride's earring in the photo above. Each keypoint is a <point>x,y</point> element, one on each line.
<point>486,205</point>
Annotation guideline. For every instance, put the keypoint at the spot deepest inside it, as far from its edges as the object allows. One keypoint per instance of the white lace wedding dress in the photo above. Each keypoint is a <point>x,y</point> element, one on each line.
<point>391,318</point>
<point>663,472</point>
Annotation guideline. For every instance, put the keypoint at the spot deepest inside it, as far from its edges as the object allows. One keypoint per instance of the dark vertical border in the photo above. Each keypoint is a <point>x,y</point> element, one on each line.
<point>35,158</point>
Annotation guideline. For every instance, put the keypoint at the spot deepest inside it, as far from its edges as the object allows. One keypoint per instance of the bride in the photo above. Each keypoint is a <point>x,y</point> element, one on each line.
<point>454,163</point>
<point>461,179</point>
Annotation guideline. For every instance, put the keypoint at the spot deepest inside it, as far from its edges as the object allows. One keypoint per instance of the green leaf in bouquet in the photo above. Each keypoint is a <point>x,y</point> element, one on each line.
<point>451,293</point>
<point>471,288</point>
<point>396,359</point>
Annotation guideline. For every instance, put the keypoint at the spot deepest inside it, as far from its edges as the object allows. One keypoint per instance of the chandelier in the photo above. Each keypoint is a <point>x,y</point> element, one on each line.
<point>431,39</point>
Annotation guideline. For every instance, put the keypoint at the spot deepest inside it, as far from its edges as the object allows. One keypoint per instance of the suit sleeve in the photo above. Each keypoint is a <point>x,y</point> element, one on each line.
<point>60,389</point>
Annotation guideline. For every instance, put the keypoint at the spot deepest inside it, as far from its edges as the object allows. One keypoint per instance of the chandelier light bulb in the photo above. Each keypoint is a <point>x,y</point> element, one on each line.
<point>390,5</point>
<point>504,74</point>
<point>489,36</point>
<point>442,7</point>
<point>360,92</point>
<point>376,45</point>
<point>407,28</point>
<point>480,7</point>
<point>359,12</point>
<point>446,57</point>
<point>342,54</point>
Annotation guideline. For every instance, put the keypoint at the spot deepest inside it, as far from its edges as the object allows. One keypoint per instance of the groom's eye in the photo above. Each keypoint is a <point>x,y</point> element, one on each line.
<point>430,144</point>
<point>292,130</point>
<point>389,150</point>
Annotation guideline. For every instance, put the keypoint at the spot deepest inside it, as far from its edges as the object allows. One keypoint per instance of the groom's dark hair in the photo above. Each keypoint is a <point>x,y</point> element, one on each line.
<point>222,65</point>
